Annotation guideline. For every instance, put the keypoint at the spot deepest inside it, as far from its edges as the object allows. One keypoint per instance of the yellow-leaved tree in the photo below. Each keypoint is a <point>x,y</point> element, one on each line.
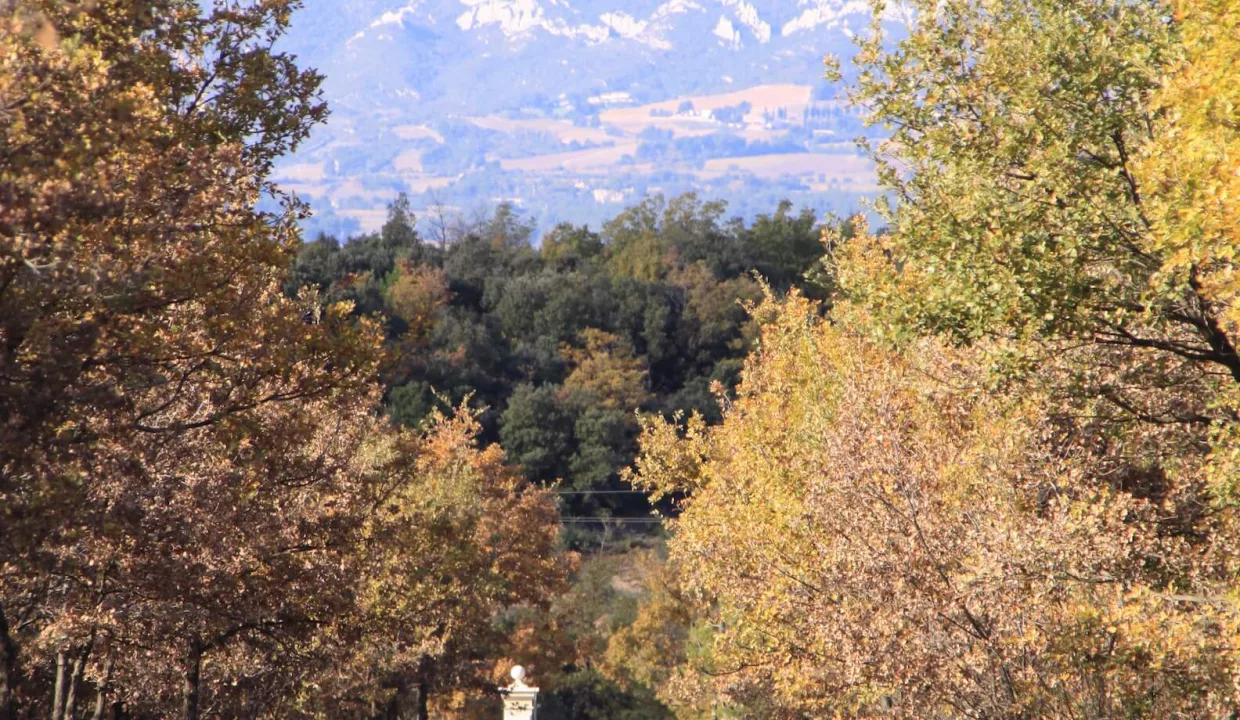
<point>1192,172</point>
<point>881,534</point>
<point>1190,168</point>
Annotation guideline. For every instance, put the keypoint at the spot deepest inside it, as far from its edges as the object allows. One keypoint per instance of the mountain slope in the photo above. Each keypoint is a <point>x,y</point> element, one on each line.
<point>419,89</point>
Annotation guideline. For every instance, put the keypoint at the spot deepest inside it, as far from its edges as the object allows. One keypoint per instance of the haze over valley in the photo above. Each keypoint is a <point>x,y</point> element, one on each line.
<point>573,110</point>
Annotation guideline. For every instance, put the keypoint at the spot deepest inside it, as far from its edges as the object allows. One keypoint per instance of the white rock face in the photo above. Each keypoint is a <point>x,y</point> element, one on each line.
<point>739,20</point>
<point>750,18</point>
<point>624,24</point>
<point>819,13</point>
<point>675,7</point>
<point>662,20</point>
<point>397,17</point>
<point>728,33</point>
<point>603,196</point>
<point>520,17</point>
<point>513,16</point>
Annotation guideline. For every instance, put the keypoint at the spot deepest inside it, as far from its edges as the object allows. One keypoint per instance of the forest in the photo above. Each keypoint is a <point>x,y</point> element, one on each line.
<point>972,454</point>
<point>557,348</point>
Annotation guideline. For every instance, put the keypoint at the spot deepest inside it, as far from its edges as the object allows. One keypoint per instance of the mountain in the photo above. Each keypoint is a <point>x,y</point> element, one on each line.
<point>572,108</point>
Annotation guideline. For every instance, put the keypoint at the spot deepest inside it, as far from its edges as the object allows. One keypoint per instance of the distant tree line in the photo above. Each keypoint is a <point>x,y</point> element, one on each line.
<point>558,346</point>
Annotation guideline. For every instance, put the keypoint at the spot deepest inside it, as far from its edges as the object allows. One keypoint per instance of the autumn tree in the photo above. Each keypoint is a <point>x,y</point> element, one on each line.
<point>1189,167</point>
<point>570,247</point>
<point>159,393</point>
<point>1020,206</point>
<point>188,480</point>
<point>883,535</point>
<point>997,484</point>
<point>606,369</point>
<point>1193,190</point>
<point>414,294</point>
<point>667,649</point>
<point>441,558</point>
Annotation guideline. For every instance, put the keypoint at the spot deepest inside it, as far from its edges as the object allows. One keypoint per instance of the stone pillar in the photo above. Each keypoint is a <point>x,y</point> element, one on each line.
<point>520,700</point>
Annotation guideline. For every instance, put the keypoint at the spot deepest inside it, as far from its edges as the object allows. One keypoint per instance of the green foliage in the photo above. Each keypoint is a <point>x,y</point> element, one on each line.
<point>785,245</point>
<point>559,346</point>
<point>537,430</point>
<point>569,246</point>
<point>590,695</point>
<point>410,404</point>
<point>1014,128</point>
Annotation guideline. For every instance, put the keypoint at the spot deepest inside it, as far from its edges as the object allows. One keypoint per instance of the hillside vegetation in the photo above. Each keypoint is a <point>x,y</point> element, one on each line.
<point>559,347</point>
<point>978,460</point>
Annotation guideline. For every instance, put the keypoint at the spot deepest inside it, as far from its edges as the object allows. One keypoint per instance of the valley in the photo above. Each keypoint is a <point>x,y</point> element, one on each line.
<point>570,111</point>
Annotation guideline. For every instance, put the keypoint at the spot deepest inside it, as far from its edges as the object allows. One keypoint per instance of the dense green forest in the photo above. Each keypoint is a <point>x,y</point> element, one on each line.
<point>980,462</point>
<point>560,344</point>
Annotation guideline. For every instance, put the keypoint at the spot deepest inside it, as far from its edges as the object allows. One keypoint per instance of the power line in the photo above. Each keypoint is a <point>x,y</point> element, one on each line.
<point>598,492</point>
<point>640,521</point>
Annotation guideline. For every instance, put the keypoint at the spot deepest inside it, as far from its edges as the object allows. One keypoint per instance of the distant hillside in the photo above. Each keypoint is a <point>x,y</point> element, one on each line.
<point>571,110</point>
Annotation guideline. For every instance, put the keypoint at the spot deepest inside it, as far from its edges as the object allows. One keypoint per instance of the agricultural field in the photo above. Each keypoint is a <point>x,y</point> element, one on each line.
<point>583,167</point>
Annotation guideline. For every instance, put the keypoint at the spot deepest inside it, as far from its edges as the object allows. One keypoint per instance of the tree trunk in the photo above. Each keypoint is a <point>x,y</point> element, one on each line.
<point>189,689</point>
<point>423,707</point>
<point>75,682</point>
<point>407,703</point>
<point>101,692</point>
<point>8,671</point>
<point>58,699</point>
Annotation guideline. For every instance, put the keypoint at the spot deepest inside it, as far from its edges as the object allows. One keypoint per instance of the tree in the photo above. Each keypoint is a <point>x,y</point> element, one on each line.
<point>607,370</point>
<point>786,245</point>
<point>715,318</point>
<point>536,431</point>
<point>570,247</point>
<point>888,526</point>
<point>883,535</point>
<point>505,229</point>
<point>557,347</point>
<point>1041,216</point>
<point>160,393</point>
<point>666,649</point>
<point>544,305</point>
<point>1019,207</point>
<point>1189,168</point>
<point>648,239</point>
<point>635,248</point>
<point>399,230</point>
<point>443,557</point>
<point>414,294</point>
<point>190,461</point>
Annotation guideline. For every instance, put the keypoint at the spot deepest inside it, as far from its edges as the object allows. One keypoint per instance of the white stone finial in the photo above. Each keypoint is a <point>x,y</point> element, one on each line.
<point>520,700</point>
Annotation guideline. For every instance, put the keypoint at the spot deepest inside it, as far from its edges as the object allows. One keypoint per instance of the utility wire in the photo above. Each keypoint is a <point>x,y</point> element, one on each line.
<point>647,521</point>
<point>598,492</point>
